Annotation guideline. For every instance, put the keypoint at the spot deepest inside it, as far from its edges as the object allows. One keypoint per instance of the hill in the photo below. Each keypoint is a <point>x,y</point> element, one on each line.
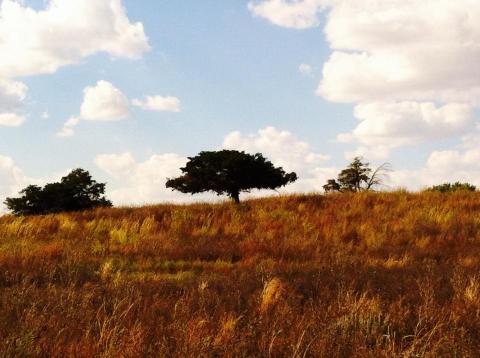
<point>361,275</point>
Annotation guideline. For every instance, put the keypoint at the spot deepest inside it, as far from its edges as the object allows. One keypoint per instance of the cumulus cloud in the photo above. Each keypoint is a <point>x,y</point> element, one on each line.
<point>64,32</point>
<point>384,126</point>
<point>104,102</point>
<point>280,146</point>
<point>159,103</point>
<point>394,50</point>
<point>441,166</point>
<point>394,59</point>
<point>68,128</point>
<point>286,150</point>
<point>11,119</point>
<point>12,97</point>
<point>101,102</point>
<point>287,13</point>
<point>403,50</point>
<point>143,182</point>
<point>12,94</point>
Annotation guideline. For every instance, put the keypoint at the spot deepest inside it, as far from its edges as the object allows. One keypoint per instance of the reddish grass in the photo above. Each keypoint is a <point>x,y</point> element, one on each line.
<point>360,275</point>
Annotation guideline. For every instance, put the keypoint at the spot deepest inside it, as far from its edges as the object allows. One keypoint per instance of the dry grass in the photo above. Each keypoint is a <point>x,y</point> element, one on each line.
<point>272,293</point>
<point>366,275</point>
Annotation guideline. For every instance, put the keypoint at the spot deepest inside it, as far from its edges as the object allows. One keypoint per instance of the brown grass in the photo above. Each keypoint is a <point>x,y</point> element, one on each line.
<point>365,275</point>
<point>272,293</point>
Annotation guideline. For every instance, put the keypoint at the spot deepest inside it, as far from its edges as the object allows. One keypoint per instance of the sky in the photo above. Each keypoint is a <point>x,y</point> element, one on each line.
<point>128,89</point>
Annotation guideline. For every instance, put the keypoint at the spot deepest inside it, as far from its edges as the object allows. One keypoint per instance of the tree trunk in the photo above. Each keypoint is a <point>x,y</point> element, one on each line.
<point>235,195</point>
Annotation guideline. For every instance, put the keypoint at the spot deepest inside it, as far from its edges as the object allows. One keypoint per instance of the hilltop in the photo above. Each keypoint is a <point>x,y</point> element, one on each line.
<point>368,274</point>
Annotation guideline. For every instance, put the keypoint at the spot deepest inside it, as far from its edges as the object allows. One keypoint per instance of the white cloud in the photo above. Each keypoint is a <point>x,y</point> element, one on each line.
<point>403,50</point>
<point>64,32</point>
<point>12,97</point>
<point>143,182</point>
<point>281,147</point>
<point>68,127</point>
<point>305,69</point>
<point>12,179</point>
<point>11,120</point>
<point>394,58</point>
<point>118,166</point>
<point>104,102</point>
<point>384,126</point>
<point>287,151</point>
<point>101,102</point>
<point>441,167</point>
<point>159,103</point>
<point>296,14</point>
<point>394,54</point>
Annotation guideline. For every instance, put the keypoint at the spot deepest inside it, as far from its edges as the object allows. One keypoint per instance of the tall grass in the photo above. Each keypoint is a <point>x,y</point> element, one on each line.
<point>350,275</point>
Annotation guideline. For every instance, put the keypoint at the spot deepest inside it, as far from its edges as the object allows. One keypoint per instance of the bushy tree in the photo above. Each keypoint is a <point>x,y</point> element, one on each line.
<point>76,191</point>
<point>331,186</point>
<point>449,187</point>
<point>358,176</point>
<point>229,172</point>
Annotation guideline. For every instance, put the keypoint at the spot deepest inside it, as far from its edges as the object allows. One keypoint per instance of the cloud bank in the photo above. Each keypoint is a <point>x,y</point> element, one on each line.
<point>409,67</point>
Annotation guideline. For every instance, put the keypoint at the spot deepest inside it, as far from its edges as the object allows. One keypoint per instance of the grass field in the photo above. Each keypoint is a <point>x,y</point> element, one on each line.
<point>348,275</point>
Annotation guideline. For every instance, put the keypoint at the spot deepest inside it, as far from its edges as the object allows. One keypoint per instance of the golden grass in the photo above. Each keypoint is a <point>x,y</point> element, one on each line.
<point>272,293</point>
<point>348,275</point>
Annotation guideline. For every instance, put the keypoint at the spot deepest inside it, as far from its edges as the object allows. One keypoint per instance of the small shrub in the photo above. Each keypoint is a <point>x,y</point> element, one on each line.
<point>450,188</point>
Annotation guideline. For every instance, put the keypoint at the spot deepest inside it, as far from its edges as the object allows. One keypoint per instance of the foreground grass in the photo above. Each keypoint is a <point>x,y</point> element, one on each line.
<point>366,275</point>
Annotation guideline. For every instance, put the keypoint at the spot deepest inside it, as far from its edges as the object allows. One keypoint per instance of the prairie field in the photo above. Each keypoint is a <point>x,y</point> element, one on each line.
<point>342,275</point>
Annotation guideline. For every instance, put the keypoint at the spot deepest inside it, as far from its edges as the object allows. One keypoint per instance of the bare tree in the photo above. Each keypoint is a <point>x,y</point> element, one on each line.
<point>379,176</point>
<point>358,176</point>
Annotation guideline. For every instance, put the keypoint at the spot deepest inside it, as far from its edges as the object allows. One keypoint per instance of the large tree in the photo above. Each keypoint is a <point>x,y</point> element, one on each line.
<point>76,191</point>
<point>358,176</point>
<point>229,172</point>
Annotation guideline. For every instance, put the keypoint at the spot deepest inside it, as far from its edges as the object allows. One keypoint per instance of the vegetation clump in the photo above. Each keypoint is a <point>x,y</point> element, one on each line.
<point>75,192</point>
<point>453,187</point>
<point>358,176</point>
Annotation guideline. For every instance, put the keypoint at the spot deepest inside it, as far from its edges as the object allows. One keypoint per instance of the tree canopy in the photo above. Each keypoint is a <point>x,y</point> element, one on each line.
<point>357,176</point>
<point>76,191</point>
<point>229,172</point>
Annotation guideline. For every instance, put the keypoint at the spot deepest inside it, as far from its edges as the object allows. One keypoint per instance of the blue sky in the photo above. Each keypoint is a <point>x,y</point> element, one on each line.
<point>234,68</point>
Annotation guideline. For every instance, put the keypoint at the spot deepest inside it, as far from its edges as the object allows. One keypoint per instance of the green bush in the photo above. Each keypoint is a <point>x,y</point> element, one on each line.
<point>449,187</point>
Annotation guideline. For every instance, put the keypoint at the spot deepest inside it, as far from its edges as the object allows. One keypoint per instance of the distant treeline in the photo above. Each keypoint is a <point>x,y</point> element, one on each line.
<point>225,172</point>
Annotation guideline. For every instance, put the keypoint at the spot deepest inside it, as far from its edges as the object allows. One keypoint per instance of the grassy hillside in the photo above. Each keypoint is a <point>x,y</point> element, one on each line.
<point>366,275</point>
